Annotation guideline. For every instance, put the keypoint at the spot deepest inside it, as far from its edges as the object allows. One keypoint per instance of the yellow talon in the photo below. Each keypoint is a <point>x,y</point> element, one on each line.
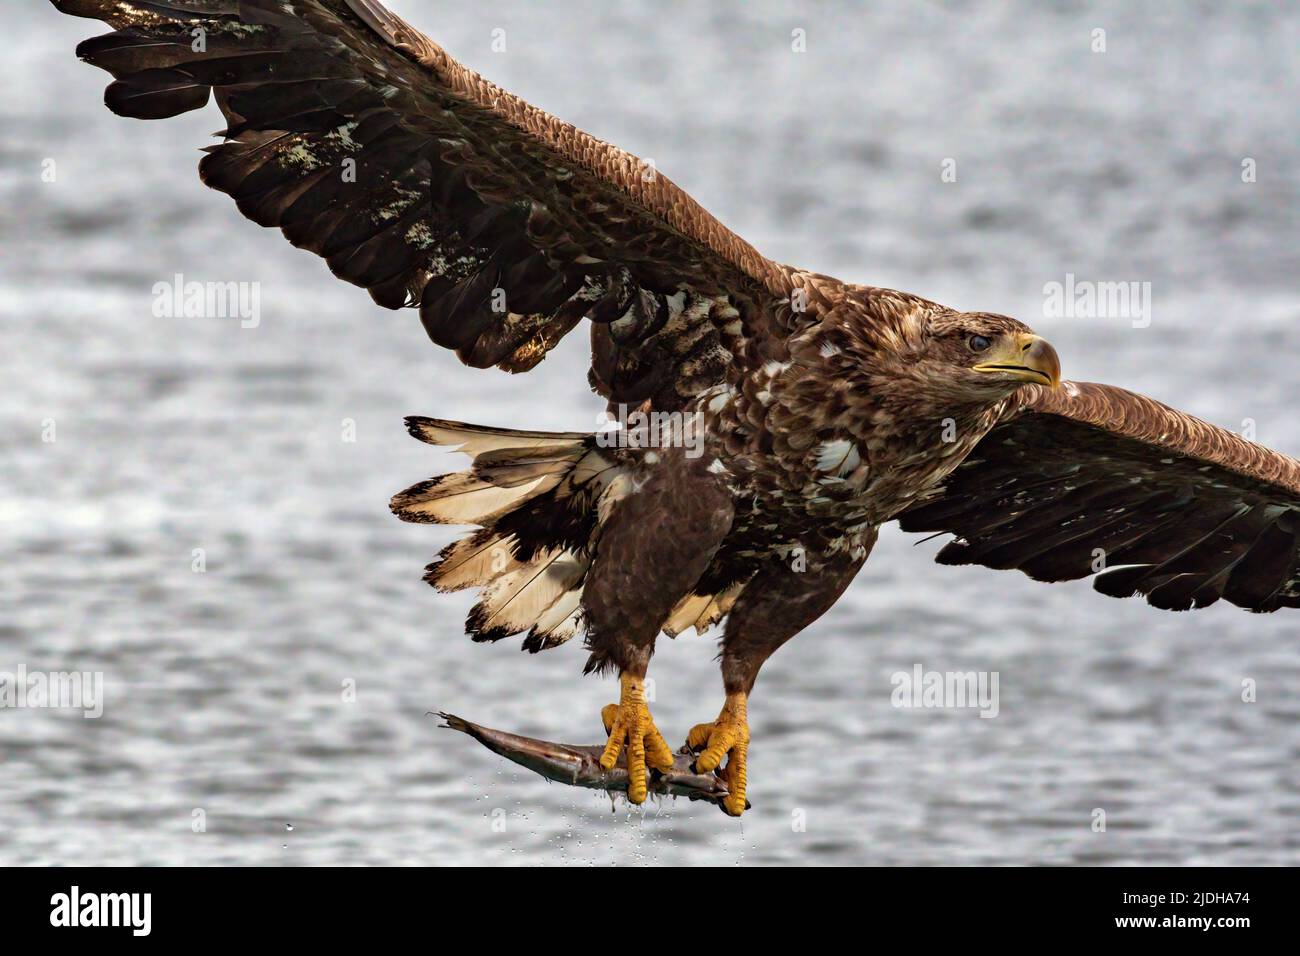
<point>728,735</point>
<point>629,722</point>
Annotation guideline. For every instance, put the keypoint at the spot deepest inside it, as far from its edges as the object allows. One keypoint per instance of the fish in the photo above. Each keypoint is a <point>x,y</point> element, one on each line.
<point>579,765</point>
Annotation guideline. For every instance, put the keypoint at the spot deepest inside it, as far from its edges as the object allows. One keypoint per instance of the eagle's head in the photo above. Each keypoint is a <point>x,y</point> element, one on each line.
<point>883,360</point>
<point>980,356</point>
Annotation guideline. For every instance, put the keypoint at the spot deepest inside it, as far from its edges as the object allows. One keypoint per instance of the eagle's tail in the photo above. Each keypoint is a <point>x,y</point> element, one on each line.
<point>537,499</point>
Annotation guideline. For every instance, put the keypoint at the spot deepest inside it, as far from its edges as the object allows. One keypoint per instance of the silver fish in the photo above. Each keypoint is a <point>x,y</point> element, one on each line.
<point>579,766</point>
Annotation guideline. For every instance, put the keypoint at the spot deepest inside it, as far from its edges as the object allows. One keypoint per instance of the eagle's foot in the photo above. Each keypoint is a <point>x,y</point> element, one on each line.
<point>728,735</point>
<point>629,722</point>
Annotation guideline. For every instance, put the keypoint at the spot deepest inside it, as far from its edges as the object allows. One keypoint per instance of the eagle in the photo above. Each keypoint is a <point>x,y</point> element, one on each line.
<point>765,421</point>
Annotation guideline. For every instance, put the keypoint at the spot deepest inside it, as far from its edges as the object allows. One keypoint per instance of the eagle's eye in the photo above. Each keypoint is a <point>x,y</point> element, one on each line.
<point>979,343</point>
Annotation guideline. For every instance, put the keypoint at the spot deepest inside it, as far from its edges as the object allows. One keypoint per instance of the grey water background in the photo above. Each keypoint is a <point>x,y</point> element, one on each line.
<point>223,688</point>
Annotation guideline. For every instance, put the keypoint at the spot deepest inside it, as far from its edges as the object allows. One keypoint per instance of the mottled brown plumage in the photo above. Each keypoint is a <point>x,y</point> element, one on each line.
<point>824,409</point>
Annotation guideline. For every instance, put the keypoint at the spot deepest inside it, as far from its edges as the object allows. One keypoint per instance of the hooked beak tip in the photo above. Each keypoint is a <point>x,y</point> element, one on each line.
<point>1042,358</point>
<point>1028,358</point>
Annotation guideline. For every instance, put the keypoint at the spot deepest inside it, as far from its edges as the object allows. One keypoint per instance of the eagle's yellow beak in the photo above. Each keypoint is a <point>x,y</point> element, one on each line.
<point>1024,356</point>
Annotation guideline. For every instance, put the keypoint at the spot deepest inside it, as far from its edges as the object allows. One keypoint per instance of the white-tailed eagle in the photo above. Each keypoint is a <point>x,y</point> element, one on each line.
<point>784,415</point>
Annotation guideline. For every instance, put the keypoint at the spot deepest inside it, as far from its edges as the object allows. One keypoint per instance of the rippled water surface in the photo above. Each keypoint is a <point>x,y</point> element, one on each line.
<point>224,688</point>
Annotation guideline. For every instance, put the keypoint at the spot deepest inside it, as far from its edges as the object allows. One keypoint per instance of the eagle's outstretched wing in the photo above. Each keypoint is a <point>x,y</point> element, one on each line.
<point>1091,479</point>
<point>415,178</point>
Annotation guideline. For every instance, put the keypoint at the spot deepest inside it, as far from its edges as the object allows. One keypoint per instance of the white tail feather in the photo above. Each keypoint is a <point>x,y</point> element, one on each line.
<point>466,499</point>
<point>474,440</point>
<point>474,562</point>
<point>560,623</point>
<point>520,485</point>
<point>559,612</point>
<point>513,602</point>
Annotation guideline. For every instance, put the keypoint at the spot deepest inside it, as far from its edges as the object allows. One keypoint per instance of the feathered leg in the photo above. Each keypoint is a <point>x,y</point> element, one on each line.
<point>776,604</point>
<point>654,544</point>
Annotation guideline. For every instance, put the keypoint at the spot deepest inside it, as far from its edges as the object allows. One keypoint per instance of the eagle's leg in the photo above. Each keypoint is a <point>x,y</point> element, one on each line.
<point>654,546</point>
<point>629,722</point>
<point>777,603</point>
<point>728,736</point>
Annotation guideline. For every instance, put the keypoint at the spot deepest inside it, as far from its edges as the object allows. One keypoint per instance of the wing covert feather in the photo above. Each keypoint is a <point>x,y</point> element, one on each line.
<point>415,178</point>
<point>1092,479</point>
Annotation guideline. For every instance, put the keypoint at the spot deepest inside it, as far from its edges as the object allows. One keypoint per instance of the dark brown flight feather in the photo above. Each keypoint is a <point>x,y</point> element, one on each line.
<point>1097,479</point>
<point>429,187</point>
